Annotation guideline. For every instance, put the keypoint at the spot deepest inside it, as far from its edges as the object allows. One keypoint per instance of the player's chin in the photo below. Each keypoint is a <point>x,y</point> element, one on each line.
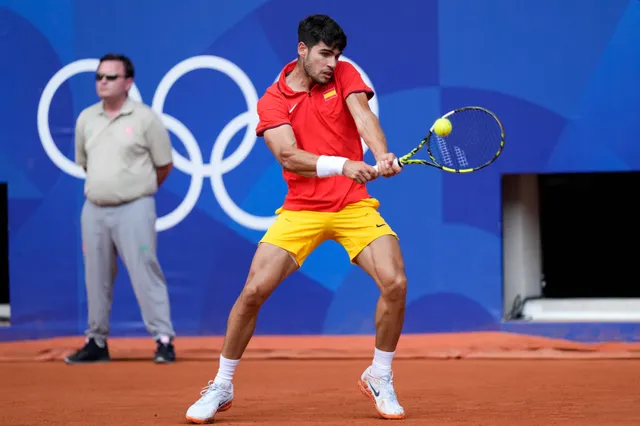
<point>323,78</point>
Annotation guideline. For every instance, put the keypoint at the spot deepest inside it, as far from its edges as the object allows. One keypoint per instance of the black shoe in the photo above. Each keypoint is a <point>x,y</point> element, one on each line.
<point>165,353</point>
<point>89,353</point>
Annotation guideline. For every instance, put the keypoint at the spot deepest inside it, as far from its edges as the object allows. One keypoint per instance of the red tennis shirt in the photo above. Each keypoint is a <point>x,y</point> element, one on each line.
<point>323,125</point>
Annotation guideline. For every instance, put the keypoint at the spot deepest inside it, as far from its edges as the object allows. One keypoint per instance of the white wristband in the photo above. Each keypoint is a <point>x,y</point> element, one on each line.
<point>329,166</point>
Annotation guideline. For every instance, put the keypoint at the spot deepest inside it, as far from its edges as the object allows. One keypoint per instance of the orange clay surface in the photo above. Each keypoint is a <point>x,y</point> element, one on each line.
<point>302,392</point>
<point>37,388</point>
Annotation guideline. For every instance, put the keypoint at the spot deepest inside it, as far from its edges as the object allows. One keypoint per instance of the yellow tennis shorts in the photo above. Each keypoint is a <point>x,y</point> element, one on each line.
<point>354,227</point>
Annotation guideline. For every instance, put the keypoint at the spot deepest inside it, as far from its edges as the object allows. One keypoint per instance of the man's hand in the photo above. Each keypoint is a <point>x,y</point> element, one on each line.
<point>359,171</point>
<point>387,165</point>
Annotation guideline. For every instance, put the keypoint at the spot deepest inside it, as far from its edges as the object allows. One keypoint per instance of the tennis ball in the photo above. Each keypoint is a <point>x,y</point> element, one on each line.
<point>442,127</point>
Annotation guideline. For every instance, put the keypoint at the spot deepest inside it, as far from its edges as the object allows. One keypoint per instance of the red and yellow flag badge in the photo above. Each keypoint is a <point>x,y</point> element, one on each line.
<point>329,94</point>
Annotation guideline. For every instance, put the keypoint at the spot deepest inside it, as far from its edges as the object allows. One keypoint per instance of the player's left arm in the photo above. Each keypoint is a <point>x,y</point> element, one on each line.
<point>369,128</point>
<point>367,123</point>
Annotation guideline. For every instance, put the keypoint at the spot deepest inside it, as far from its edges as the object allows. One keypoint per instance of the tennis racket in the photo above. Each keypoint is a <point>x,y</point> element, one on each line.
<point>476,140</point>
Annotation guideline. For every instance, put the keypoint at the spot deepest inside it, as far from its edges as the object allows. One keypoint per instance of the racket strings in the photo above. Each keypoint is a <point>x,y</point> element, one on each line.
<point>474,141</point>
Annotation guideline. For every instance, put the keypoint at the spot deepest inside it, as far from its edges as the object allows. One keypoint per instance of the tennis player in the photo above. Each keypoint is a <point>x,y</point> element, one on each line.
<point>312,119</point>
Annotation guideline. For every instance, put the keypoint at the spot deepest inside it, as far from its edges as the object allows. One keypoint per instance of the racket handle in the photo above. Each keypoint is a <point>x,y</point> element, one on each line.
<point>395,161</point>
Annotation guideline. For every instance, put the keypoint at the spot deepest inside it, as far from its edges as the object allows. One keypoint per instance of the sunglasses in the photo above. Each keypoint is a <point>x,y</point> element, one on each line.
<point>109,77</point>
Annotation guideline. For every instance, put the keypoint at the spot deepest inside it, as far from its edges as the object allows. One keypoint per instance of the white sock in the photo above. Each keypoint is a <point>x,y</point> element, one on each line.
<point>381,365</point>
<point>226,370</point>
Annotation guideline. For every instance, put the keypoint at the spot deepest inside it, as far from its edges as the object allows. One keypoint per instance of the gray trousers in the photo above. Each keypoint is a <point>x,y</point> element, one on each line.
<point>127,230</point>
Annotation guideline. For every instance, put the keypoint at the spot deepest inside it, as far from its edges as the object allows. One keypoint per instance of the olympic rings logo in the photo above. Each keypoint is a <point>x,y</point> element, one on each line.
<point>194,165</point>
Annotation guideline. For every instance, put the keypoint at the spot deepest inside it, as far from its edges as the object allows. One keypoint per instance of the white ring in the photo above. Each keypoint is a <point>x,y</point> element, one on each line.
<point>218,165</point>
<point>239,77</point>
<point>197,179</point>
<point>217,184</point>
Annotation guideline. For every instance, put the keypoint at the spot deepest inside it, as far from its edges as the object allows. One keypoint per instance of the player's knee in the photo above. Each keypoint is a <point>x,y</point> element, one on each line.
<point>253,296</point>
<point>394,287</point>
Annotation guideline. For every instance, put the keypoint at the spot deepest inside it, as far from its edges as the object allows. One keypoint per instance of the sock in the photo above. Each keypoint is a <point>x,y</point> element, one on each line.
<point>226,370</point>
<point>381,365</point>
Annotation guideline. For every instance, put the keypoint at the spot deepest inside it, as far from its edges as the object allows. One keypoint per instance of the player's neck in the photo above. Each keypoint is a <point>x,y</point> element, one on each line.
<point>298,80</point>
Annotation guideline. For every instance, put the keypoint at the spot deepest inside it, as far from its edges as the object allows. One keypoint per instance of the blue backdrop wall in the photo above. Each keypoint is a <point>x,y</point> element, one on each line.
<point>563,76</point>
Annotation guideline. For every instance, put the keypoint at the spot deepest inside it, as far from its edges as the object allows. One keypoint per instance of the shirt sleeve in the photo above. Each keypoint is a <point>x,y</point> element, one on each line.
<point>272,112</point>
<point>351,81</point>
<point>81,154</point>
<point>158,141</point>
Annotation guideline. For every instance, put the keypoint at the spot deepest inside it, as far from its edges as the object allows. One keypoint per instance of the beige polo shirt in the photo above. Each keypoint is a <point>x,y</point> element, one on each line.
<point>120,154</point>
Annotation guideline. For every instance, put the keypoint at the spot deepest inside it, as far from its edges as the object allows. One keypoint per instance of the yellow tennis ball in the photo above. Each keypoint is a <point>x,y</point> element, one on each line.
<point>442,127</point>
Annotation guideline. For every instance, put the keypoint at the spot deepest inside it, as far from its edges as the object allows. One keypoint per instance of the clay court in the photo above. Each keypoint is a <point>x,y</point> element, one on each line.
<point>457,379</point>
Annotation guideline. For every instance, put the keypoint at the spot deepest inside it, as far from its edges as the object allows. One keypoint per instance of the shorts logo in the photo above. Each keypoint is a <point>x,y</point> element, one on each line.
<point>329,94</point>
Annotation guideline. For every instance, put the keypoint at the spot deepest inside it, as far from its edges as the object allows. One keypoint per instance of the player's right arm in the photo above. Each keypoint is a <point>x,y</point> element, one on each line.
<point>275,127</point>
<point>282,143</point>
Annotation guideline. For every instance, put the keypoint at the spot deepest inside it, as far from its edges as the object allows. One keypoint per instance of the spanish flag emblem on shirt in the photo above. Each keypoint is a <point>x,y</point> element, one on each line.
<point>329,94</point>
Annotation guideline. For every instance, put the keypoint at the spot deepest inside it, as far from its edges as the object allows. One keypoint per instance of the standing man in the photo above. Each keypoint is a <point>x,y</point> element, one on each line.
<point>126,153</point>
<point>312,119</point>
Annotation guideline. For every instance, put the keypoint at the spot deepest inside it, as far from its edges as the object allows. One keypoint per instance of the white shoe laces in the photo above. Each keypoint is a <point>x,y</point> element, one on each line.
<point>208,390</point>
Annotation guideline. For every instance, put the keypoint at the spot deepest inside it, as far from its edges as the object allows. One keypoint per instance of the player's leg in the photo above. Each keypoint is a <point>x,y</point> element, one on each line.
<point>100,266</point>
<point>382,260</point>
<point>270,266</point>
<point>373,246</point>
<point>136,240</point>
<point>282,250</point>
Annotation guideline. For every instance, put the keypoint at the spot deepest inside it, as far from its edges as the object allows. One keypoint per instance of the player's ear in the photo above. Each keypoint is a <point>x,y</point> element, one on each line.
<point>302,50</point>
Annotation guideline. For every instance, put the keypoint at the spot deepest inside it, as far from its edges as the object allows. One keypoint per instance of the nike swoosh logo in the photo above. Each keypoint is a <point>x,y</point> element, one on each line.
<point>379,226</point>
<point>292,108</point>
<point>375,391</point>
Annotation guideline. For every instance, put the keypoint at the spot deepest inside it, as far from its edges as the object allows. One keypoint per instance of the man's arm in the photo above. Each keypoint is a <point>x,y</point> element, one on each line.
<point>282,142</point>
<point>159,144</point>
<point>369,128</point>
<point>81,155</point>
<point>162,172</point>
<point>367,123</point>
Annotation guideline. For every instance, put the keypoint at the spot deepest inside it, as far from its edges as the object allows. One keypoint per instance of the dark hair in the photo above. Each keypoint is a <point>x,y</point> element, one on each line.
<point>321,28</point>
<point>129,71</point>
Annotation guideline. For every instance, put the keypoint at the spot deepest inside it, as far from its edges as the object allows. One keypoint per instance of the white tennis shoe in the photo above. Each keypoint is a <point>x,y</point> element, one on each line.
<point>380,391</point>
<point>215,398</point>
